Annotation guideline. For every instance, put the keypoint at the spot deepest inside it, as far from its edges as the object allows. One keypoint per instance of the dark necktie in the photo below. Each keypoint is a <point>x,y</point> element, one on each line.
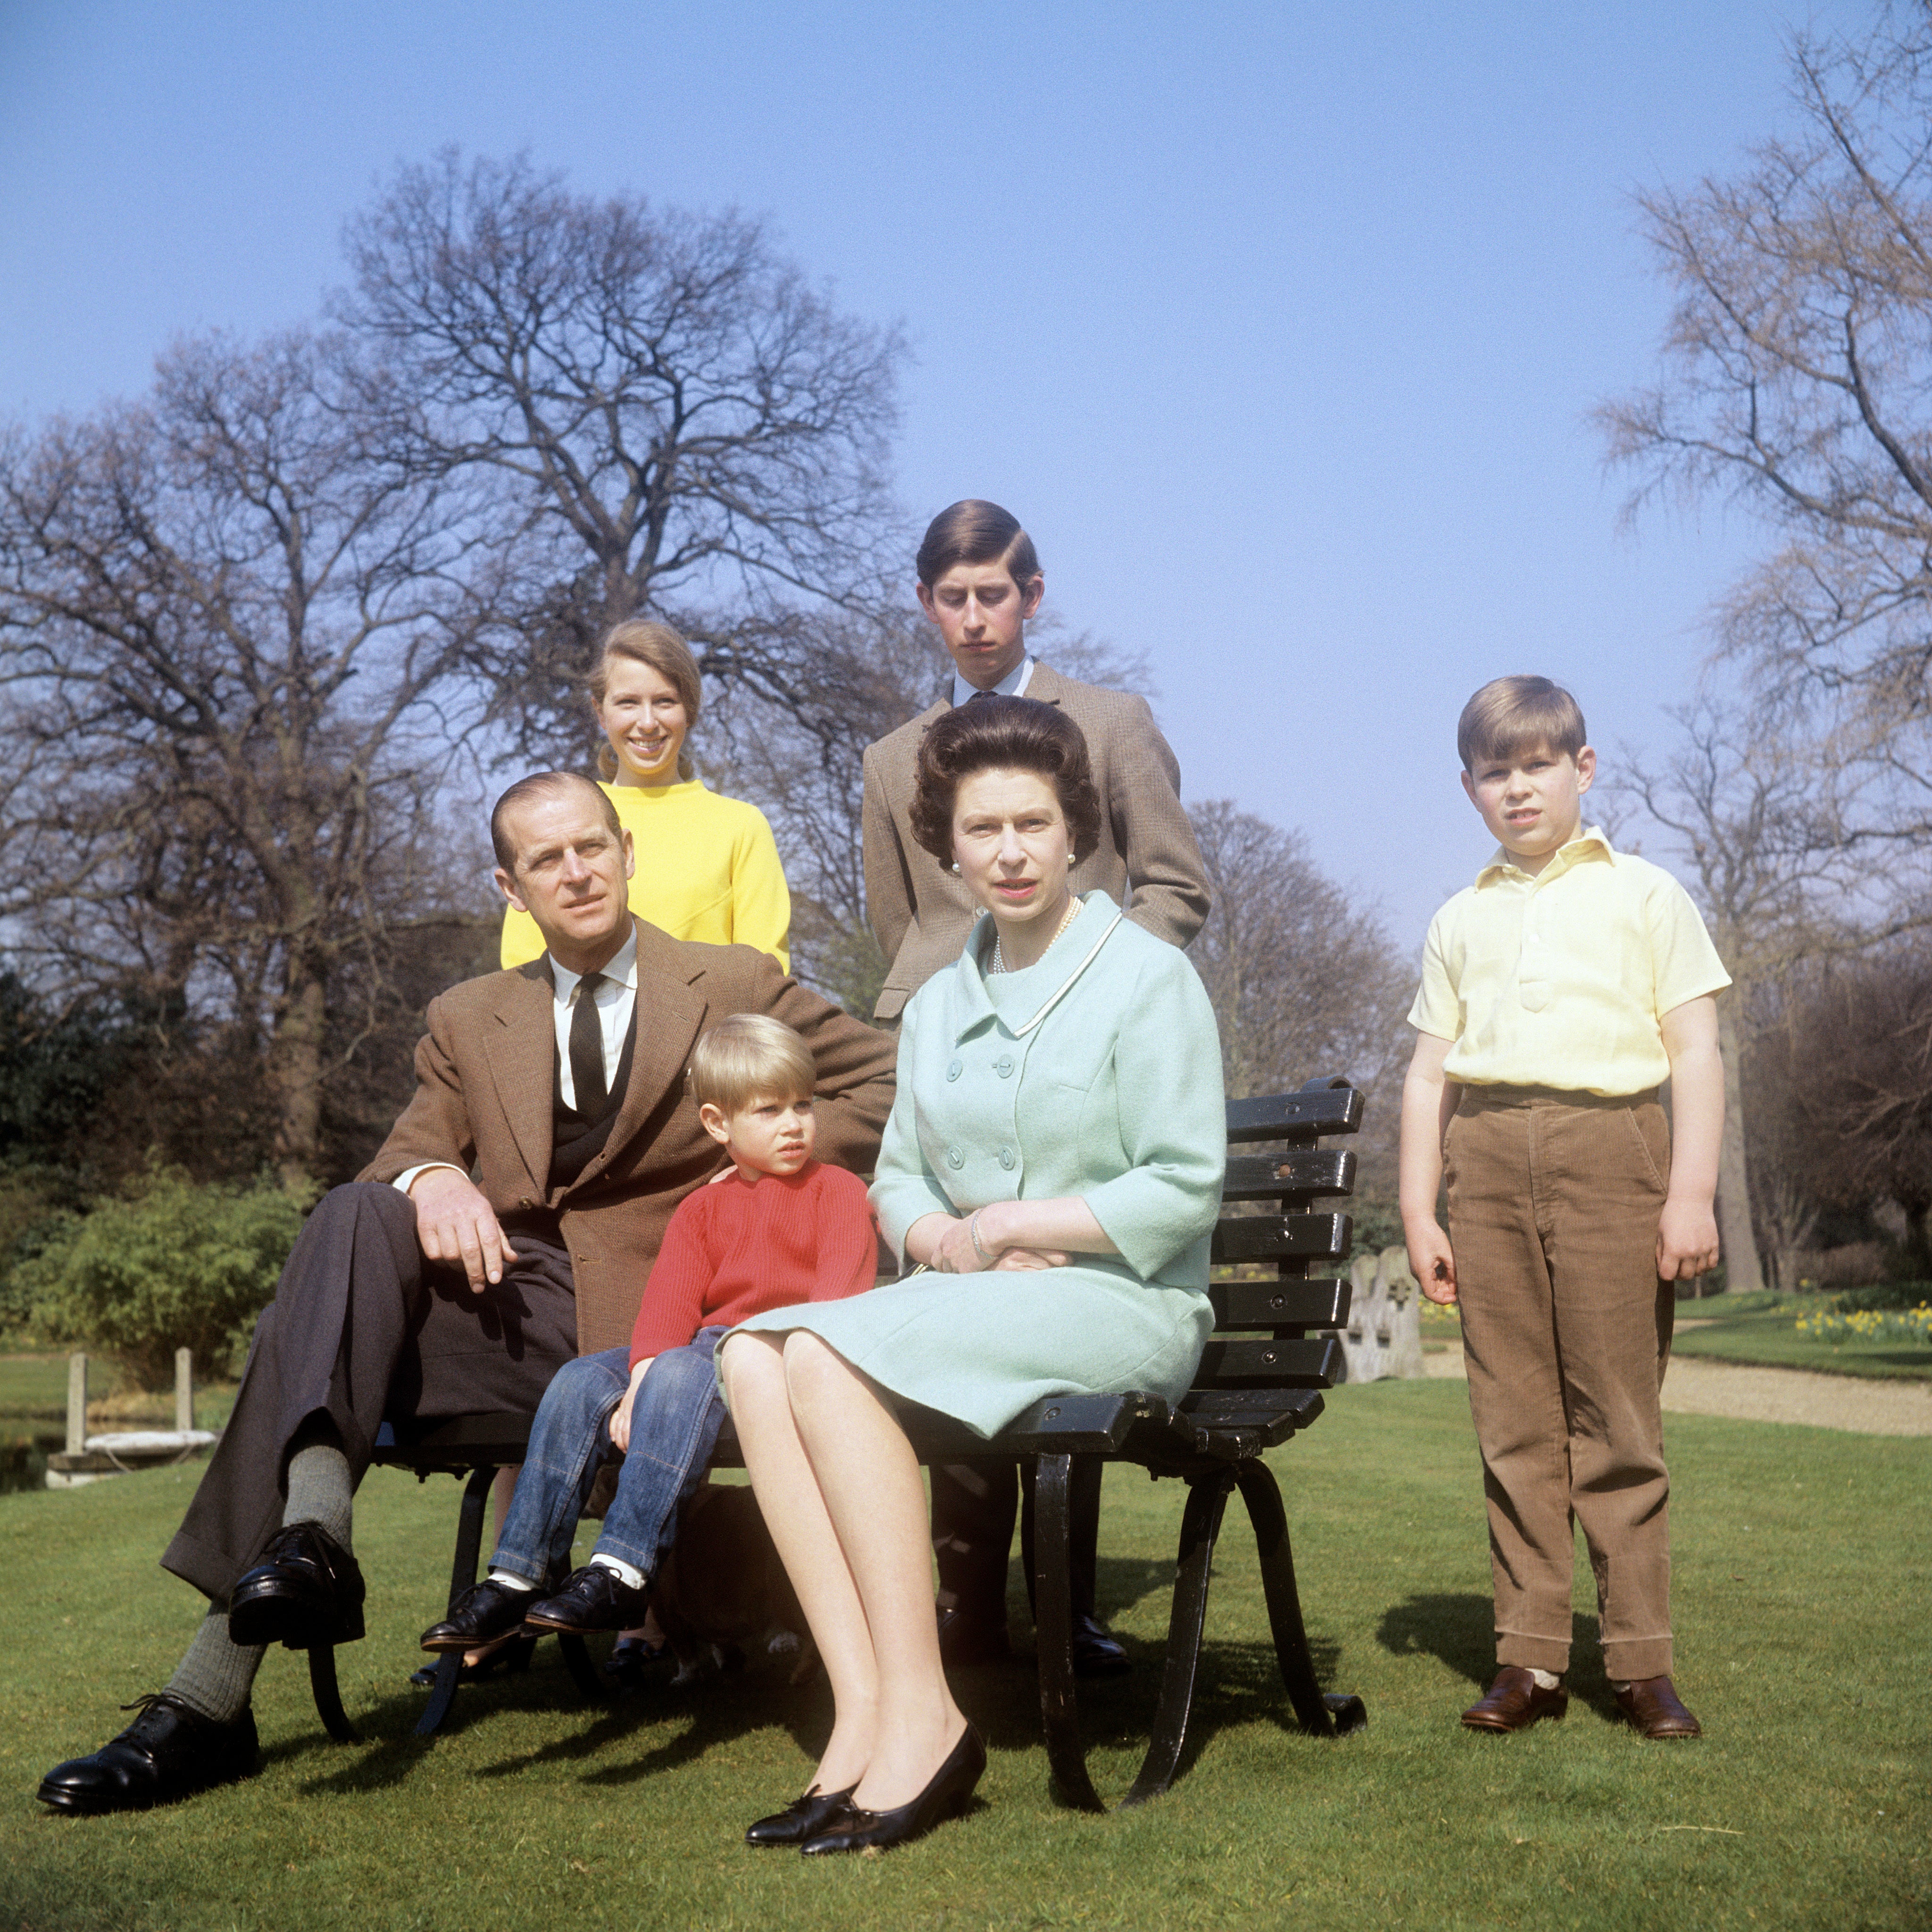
<point>587,1047</point>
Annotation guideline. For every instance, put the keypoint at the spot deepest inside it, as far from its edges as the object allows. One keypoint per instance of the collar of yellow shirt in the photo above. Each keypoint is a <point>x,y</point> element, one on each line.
<point>1588,843</point>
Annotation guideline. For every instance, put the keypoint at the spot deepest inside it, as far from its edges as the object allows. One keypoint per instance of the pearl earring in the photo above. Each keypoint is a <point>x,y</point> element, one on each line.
<point>955,865</point>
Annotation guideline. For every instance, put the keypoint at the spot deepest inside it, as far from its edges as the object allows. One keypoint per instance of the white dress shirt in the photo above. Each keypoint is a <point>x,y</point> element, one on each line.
<point>1013,685</point>
<point>616,997</point>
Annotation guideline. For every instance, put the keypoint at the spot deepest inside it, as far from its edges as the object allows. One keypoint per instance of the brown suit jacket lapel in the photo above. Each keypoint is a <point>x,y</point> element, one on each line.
<point>521,1050</point>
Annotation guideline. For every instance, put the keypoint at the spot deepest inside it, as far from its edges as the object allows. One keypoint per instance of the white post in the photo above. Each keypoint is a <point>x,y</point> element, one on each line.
<point>183,1389</point>
<point>77,1404</point>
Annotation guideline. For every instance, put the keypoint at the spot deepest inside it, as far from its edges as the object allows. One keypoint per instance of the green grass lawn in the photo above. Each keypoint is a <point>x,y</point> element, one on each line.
<point>1763,1329</point>
<point>1759,1330</point>
<point>1804,1562</point>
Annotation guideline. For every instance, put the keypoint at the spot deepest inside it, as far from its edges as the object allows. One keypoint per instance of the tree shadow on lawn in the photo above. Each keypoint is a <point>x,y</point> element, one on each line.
<point>1460,1630</point>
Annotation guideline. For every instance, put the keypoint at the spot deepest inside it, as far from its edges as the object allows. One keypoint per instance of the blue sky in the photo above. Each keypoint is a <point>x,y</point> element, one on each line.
<point>1277,324</point>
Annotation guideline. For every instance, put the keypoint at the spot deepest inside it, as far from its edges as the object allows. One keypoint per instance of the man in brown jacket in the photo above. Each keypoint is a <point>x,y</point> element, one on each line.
<point>416,1290</point>
<point>979,581</point>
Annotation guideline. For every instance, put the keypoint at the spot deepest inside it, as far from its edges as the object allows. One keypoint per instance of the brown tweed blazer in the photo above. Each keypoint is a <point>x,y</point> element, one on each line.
<point>483,1102</point>
<point>1147,859</point>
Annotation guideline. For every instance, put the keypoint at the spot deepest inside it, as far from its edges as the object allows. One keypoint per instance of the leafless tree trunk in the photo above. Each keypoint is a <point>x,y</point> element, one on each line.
<point>231,635</point>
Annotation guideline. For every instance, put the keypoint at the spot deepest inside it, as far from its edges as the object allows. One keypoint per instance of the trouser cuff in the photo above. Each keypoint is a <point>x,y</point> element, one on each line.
<point>1532,1653</point>
<point>1627,1660</point>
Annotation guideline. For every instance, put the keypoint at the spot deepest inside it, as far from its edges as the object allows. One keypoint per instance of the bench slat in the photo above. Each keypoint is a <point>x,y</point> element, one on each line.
<point>1269,1238</point>
<point>1308,1170</point>
<point>1317,1363</point>
<point>1312,1112</point>
<point>1279,1304</point>
<point>1241,1408</point>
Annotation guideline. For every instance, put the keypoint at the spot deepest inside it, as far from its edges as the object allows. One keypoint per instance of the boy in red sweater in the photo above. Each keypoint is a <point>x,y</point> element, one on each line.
<point>779,1230</point>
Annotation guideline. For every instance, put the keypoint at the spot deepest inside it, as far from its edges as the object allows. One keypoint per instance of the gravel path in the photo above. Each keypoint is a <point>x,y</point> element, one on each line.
<point>1692,1386</point>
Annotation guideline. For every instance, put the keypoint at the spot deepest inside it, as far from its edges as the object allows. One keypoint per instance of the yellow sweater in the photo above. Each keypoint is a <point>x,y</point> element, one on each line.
<point>707,868</point>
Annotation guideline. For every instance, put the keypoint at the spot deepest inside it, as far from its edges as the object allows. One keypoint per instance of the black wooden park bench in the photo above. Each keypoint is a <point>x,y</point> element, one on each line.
<point>1260,1380</point>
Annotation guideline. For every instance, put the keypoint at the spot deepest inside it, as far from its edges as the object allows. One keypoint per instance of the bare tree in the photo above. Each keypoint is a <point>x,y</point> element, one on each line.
<point>676,421</point>
<point>1776,833</point>
<point>1799,367</point>
<point>232,633</point>
<point>1303,982</point>
<point>1841,1078</point>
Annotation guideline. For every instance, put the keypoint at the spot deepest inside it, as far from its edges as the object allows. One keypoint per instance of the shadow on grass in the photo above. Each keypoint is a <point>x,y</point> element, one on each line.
<point>1237,1683</point>
<point>1459,1629</point>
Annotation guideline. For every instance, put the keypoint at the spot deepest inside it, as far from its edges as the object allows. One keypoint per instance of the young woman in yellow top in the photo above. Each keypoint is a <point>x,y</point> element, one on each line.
<point>707,866</point>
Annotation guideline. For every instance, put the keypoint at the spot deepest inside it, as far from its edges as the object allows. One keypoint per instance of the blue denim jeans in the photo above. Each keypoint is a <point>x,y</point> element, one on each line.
<point>674,1426</point>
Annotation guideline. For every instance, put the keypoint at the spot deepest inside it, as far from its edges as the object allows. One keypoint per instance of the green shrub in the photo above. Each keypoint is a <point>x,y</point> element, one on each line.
<point>172,1265</point>
<point>1883,1294</point>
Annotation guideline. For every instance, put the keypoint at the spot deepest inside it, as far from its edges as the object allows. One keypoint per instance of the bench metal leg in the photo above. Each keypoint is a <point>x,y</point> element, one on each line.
<point>327,1698</point>
<point>583,1672</point>
<point>1200,1524</point>
<point>1335,1713</point>
<point>462,1575</point>
<point>1053,1598</point>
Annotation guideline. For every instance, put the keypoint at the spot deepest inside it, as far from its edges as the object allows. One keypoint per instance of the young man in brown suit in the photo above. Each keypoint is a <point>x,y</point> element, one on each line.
<point>979,581</point>
<point>415,1291</point>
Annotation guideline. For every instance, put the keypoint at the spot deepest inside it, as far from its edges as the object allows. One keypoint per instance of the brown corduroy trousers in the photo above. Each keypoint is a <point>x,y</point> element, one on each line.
<point>1554,1199</point>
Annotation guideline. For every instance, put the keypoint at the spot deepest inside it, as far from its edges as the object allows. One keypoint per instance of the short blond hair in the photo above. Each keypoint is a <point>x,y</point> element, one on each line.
<point>1511,716</point>
<point>750,1057</point>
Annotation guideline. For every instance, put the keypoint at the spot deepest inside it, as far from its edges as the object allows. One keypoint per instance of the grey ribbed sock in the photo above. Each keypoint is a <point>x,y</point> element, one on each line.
<point>320,1490</point>
<point>215,1675</point>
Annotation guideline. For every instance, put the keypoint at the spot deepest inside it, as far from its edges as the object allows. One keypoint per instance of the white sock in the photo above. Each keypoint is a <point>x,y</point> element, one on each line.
<point>1620,1688</point>
<point>510,1580</point>
<point>628,1573</point>
<point>1544,1680</point>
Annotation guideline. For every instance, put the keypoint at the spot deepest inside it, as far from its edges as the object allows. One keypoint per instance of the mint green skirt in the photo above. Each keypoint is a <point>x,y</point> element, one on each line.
<point>983,1347</point>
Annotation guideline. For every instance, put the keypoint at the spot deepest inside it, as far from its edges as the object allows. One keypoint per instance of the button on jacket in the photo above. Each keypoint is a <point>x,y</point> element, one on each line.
<point>1110,1091</point>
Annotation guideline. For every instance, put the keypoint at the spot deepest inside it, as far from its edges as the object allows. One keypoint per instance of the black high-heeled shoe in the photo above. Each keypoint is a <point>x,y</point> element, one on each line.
<point>804,1817</point>
<point>855,1829</point>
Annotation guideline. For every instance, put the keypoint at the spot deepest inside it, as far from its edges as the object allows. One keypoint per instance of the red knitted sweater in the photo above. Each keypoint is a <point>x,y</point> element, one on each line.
<point>737,1248</point>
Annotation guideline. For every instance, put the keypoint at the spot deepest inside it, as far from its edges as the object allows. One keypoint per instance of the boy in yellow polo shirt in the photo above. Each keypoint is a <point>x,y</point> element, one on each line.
<point>1558,993</point>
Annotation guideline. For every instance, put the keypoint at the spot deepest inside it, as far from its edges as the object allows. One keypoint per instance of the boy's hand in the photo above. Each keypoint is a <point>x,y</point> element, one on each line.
<point>620,1416</point>
<point>1687,1240</point>
<point>1433,1263</point>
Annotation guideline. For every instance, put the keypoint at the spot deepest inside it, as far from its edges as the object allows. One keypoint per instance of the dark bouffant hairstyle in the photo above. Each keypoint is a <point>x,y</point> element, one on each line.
<point>1009,734</point>
<point>974,531</point>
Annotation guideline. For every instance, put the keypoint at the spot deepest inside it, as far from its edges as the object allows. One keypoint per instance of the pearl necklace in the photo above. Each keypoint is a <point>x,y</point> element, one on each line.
<point>999,964</point>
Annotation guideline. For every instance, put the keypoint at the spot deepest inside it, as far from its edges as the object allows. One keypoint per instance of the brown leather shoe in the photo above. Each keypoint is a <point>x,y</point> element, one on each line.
<point>1651,1704</point>
<point>1514,1702</point>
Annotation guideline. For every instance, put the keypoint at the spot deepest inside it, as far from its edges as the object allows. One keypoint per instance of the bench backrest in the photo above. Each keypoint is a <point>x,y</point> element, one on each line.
<point>1266,1330</point>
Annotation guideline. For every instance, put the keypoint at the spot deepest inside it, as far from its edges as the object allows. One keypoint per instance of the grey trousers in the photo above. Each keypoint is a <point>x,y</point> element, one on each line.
<point>362,1328</point>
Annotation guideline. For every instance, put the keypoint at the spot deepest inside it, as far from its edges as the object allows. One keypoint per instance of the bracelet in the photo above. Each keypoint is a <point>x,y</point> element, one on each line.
<point>972,1229</point>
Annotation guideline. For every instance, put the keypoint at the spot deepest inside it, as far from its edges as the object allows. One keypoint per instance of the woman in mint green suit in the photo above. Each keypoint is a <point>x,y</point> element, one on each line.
<point>1053,1168</point>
